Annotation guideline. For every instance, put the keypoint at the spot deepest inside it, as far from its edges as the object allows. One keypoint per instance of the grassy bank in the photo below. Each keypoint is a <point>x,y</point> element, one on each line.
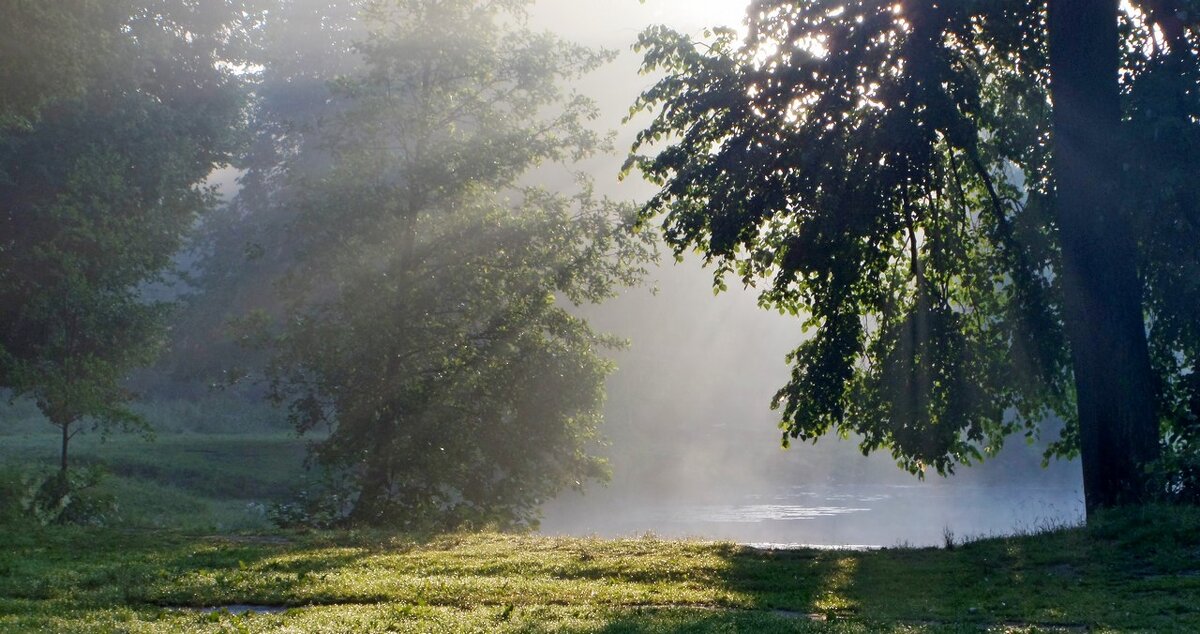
<point>1134,572</point>
<point>182,481</point>
<point>190,533</point>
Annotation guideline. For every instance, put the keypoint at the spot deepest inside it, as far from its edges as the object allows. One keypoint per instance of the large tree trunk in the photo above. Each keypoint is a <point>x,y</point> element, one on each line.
<point>1104,321</point>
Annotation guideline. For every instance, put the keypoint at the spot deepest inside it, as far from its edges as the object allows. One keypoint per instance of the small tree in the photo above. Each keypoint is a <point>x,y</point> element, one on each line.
<point>98,195</point>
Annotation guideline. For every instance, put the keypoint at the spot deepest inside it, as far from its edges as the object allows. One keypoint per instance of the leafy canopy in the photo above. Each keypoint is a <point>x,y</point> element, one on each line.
<point>883,169</point>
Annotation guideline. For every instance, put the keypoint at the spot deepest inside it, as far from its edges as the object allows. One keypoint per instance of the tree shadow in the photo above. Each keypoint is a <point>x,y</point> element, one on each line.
<point>1030,583</point>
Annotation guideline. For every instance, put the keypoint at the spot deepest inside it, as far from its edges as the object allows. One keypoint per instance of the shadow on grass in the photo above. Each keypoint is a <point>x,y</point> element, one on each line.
<point>1125,573</point>
<point>149,568</point>
<point>1133,575</point>
<point>695,620</point>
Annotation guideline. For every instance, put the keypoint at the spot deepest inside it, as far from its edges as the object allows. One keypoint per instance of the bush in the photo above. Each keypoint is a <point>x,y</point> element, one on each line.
<point>58,498</point>
<point>1176,474</point>
<point>326,505</point>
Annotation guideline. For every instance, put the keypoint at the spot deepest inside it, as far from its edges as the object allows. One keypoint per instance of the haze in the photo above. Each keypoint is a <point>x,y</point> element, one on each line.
<point>695,448</point>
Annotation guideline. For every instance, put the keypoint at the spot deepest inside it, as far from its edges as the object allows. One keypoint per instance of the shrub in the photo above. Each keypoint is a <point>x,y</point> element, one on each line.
<point>59,498</point>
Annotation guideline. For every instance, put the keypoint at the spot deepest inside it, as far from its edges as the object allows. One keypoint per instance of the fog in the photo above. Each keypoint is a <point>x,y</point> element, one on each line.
<point>694,447</point>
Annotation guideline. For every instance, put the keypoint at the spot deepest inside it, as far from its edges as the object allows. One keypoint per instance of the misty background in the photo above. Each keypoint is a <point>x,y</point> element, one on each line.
<point>692,443</point>
<point>695,450</point>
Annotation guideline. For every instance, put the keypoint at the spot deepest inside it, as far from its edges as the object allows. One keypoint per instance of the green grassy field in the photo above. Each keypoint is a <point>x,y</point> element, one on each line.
<point>179,481</point>
<point>1137,572</point>
<point>191,534</point>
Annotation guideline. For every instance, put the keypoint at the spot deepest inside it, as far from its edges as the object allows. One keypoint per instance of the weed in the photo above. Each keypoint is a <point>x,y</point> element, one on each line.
<point>948,538</point>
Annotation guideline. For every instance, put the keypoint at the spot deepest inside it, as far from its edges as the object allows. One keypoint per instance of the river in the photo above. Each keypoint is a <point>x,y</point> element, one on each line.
<point>829,514</point>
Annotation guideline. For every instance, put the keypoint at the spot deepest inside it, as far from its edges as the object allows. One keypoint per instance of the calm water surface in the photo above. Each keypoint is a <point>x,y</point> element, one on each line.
<point>829,515</point>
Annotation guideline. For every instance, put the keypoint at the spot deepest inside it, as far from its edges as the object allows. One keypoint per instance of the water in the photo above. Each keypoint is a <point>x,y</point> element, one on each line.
<point>695,451</point>
<point>830,514</point>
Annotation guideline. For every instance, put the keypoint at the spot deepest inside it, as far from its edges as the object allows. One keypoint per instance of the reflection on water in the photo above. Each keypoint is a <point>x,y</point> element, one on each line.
<point>831,515</point>
<point>754,512</point>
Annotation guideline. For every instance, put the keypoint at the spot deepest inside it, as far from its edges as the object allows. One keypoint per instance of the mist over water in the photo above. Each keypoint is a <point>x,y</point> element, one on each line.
<point>695,450</point>
<point>694,447</point>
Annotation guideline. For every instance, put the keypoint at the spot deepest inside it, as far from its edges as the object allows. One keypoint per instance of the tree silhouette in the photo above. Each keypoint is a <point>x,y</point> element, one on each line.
<point>896,172</point>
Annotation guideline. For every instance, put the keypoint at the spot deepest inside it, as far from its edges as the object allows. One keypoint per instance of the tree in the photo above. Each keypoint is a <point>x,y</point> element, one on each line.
<point>98,195</point>
<point>427,329</point>
<point>898,172</point>
<point>1161,109</point>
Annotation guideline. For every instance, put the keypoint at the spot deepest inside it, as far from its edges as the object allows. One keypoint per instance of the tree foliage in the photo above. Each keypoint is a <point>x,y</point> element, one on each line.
<point>244,245</point>
<point>427,327</point>
<point>1161,88</point>
<point>98,196</point>
<point>885,169</point>
<point>848,167</point>
<point>47,50</point>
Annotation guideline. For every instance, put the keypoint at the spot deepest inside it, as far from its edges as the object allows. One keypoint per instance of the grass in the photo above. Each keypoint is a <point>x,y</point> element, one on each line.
<point>198,482</point>
<point>190,534</point>
<point>1139,571</point>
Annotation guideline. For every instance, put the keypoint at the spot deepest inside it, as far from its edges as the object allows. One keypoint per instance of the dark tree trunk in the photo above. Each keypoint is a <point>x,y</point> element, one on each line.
<point>371,507</point>
<point>66,438</point>
<point>375,485</point>
<point>1104,321</point>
